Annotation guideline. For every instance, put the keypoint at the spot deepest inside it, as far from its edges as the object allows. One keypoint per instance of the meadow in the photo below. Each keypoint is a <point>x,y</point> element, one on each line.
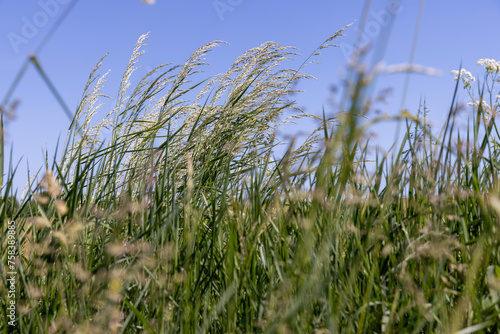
<point>173,214</point>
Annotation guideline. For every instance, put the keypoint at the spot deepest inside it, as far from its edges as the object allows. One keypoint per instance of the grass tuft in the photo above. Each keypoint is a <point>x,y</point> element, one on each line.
<point>172,215</point>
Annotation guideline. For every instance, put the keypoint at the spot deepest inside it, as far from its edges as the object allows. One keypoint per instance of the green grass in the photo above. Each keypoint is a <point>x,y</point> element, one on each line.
<point>173,216</point>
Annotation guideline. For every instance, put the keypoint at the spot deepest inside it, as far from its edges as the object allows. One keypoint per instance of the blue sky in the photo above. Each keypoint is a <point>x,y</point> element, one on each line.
<point>451,33</point>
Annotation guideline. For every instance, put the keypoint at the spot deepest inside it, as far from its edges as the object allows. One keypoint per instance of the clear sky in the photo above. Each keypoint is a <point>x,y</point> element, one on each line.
<point>452,32</point>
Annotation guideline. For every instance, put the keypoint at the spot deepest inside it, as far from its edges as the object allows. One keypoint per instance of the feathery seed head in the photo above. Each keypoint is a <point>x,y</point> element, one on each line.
<point>51,184</point>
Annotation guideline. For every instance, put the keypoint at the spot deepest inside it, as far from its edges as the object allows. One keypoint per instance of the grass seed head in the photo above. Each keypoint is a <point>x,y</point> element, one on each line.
<point>51,185</point>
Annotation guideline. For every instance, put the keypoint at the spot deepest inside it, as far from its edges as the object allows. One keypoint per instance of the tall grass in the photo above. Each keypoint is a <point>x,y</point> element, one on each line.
<point>173,215</point>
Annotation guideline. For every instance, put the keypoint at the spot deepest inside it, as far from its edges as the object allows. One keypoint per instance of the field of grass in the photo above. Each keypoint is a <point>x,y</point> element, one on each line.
<point>172,215</point>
